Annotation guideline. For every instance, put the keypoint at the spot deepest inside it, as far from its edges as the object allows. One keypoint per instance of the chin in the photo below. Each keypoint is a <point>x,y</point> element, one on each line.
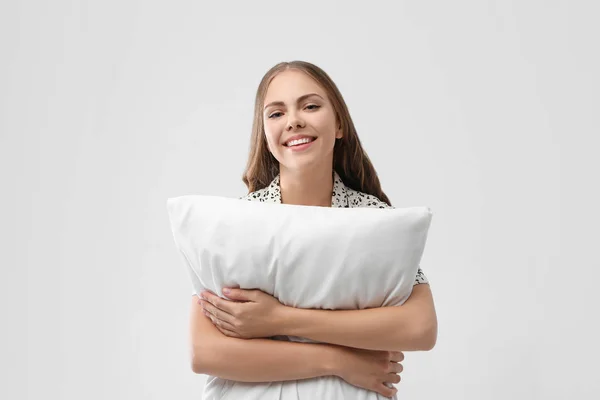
<point>302,165</point>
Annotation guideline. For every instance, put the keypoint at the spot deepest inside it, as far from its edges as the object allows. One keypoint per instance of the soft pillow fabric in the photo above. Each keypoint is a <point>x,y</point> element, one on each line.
<point>305,256</point>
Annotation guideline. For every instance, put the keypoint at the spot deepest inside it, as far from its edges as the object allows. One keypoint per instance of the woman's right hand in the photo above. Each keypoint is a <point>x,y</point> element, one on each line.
<point>370,369</point>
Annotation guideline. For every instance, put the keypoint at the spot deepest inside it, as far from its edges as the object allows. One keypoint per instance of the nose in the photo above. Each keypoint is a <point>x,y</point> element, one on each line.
<point>294,122</point>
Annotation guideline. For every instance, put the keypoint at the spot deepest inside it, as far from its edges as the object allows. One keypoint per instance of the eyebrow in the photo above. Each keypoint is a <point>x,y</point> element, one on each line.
<point>301,98</point>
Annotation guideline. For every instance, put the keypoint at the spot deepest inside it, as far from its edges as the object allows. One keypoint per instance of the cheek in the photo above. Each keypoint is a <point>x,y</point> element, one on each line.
<point>272,138</point>
<point>325,123</point>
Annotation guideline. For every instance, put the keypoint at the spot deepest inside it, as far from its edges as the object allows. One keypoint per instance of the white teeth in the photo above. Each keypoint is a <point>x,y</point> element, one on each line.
<point>298,141</point>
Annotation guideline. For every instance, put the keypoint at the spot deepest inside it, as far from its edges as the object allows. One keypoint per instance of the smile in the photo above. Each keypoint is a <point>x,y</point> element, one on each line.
<point>299,142</point>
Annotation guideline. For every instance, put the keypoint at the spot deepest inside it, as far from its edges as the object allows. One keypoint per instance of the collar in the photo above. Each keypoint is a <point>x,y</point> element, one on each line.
<point>339,195</point>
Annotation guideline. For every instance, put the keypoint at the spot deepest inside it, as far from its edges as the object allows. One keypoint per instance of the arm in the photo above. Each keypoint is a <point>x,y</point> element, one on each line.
<point>409,327</point>
<point>254,360</point>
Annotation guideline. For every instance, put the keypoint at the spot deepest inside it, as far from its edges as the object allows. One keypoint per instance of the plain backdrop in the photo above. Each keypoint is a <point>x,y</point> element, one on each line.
<point>485,111</point>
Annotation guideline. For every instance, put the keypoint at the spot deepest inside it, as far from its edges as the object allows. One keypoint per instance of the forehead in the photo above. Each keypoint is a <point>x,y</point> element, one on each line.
<point>291,84</point>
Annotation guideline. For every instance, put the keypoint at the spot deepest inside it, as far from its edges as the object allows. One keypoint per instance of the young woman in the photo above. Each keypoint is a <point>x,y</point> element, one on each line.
<point>305,151</point>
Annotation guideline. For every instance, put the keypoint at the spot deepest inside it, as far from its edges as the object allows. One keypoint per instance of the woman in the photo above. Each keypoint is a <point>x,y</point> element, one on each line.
<point>305,151</point>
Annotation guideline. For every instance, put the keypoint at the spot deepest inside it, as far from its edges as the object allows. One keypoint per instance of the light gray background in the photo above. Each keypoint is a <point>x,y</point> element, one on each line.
<point>485,111</point>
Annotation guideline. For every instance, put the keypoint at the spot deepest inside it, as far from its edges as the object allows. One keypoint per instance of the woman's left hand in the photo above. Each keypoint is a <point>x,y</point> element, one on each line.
<point>250,314</point>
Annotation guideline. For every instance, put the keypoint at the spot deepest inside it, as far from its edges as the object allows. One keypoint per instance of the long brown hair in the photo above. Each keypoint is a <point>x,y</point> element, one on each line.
<point>350,160</point>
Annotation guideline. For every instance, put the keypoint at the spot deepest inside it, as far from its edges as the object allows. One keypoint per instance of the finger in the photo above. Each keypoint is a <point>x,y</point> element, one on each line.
<point>396,367</point>
<point>387,391</point>
<point>392,378</point>
<point>217,312</point>
<point>228,332</point>
<point>397,356</point>
<point>240,294</point>
<point>220,323</point>
<point>220,303</point>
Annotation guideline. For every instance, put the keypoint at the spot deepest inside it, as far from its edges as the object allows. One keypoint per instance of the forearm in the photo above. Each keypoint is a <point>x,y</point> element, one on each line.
<point>264,360</point>
<point>409,327</point>
<point>384,328</point>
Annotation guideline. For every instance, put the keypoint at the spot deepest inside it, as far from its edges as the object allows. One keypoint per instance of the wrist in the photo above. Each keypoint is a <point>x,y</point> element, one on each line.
<point>285,324</point>
<point>332,359</point>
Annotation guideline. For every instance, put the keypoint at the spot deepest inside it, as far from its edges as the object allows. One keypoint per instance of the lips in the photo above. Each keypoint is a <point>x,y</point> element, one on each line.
<point>299,137</point>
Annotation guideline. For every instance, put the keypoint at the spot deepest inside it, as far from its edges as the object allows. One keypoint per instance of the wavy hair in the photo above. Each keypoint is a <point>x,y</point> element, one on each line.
<point>350,160</point>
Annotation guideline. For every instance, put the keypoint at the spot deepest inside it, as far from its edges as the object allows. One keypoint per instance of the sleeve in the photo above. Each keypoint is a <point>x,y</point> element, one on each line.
<point>421,278</point>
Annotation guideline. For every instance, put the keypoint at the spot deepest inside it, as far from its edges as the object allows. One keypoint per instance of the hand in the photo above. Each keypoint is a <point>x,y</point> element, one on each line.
<point>370,369</point>
<point>251,314</point>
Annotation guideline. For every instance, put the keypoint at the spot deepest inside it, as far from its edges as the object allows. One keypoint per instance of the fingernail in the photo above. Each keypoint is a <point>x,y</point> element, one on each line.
<point>226,290</point>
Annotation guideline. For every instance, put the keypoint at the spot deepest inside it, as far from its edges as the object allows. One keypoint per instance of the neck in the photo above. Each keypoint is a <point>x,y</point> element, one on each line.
<point>306,188</point>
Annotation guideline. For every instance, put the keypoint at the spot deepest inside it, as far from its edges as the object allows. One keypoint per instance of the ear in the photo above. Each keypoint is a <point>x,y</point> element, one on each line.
<point>338,133</point>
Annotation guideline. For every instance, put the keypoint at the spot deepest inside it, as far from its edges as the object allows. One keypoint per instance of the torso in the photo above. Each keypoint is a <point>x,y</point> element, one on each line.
<point>342,196</point>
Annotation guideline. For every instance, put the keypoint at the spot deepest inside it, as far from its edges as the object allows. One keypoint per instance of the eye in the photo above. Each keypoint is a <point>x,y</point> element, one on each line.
<point>276,115</point>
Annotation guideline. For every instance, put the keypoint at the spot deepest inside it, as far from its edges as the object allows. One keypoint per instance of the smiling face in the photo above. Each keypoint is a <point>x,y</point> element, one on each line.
<point>299,122</point>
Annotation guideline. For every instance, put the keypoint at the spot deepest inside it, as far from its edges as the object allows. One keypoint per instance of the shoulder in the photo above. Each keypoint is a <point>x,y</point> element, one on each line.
<point>258,195</point>
<point>268,194</point>
<point>360,199</point>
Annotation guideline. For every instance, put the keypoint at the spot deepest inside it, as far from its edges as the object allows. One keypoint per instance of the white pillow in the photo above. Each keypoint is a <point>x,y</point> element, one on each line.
<point>307,257</point>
